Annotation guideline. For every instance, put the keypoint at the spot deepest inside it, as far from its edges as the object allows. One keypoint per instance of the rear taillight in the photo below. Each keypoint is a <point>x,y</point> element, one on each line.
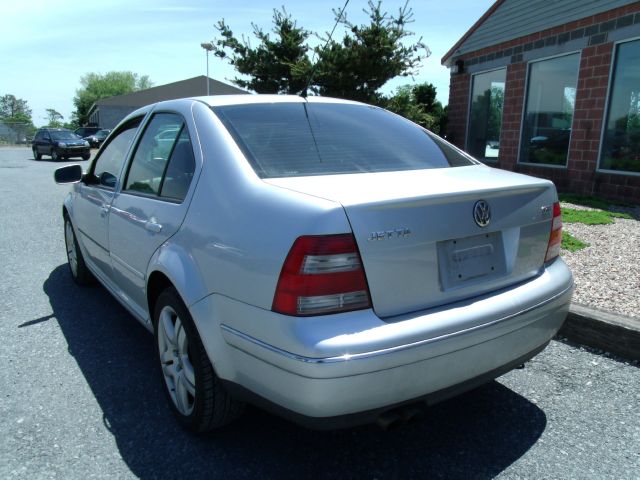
<point>555,238</point>
<point>322,274</point>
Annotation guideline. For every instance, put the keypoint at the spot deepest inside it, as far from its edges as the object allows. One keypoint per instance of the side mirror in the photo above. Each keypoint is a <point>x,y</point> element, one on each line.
<point>68,174</point>
<point>108,179</point>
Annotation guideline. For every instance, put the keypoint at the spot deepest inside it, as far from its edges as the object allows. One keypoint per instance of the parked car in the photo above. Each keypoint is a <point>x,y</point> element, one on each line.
<point>86,131</point>
<point>327,260</point>
<point>97,138</point>
<point>59,144</point>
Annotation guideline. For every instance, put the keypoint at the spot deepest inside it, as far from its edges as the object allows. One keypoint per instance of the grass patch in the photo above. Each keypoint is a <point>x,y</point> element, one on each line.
<point>591,217</point>
<point>571,243</point>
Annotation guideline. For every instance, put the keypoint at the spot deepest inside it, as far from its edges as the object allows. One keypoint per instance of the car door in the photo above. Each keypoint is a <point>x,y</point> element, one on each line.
<point>44,143</point>
<point>95,195</point>
<point>37,142</point>
<point>151,204</point>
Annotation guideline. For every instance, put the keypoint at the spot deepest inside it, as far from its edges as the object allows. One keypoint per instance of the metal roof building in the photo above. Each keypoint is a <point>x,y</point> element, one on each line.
<point>108,112</point>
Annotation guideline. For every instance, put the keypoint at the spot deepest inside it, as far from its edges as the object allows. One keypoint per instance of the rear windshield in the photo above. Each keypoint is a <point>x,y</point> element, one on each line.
<point>301,139</point>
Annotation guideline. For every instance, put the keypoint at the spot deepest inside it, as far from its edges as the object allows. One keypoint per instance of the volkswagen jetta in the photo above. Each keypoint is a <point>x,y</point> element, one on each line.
<point>325,259</point>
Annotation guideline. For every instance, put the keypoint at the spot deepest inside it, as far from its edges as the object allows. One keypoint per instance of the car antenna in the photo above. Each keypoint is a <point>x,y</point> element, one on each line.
<point>303,93</point>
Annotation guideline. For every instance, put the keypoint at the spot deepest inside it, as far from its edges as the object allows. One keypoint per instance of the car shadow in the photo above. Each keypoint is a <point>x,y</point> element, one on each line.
<point>476,435</point>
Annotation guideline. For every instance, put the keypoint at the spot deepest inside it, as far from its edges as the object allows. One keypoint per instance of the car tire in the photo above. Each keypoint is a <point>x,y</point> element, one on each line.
<point>79,271</point>
<point>86,156</point>
<point>36,155</point>
<point>55,156</point>
<point>194,392</point>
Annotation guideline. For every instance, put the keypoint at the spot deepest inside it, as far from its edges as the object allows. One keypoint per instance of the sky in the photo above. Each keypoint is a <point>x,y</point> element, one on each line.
<point>46,46</point>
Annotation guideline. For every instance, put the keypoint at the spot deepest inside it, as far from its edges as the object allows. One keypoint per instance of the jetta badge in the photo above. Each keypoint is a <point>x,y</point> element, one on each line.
<point>482,213</point>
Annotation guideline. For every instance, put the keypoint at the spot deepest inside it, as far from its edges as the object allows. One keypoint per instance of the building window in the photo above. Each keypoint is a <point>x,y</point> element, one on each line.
<point>551,99</point>
<point>621,141</point>
<point>485,115</point>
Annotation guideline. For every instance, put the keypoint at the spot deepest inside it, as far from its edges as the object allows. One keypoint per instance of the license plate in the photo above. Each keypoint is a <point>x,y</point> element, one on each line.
<point>462,260</point>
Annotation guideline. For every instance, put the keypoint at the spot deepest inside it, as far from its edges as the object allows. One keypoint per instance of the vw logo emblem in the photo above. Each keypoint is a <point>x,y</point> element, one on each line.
<point>482,213</point>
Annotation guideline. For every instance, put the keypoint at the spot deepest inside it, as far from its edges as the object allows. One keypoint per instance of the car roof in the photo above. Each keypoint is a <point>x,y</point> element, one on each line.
<point>251,99</point>
<point>223,100</point>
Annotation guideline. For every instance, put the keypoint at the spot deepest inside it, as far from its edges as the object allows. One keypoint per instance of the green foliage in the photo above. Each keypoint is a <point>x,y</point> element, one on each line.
<point>368,56</point>
<point>277,65</point>
<point>54,118</point>
<point>418,104</point>
<point>15,117</point>
<point>14,110</point>
<point>571,243</point>
<point>95,86</point>
<point>591,217</point>
<point>354,68</point>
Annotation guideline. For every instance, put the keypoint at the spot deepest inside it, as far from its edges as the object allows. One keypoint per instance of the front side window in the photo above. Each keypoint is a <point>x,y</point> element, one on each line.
<point>551,99</point>
<point>485,115</point>
<point>107,166</point>
<point>621,141</point>
<point>163,163</point>
<point>308,138</point>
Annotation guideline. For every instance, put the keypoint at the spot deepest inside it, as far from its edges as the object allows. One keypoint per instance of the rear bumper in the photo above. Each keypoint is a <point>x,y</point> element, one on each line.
<point>355,362</point>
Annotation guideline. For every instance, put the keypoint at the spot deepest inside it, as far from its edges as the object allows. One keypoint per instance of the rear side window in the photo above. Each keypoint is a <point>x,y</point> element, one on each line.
<point>300,139</point>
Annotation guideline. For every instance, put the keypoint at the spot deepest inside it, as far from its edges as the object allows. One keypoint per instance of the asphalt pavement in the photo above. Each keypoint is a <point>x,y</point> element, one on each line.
<point>81,393</point>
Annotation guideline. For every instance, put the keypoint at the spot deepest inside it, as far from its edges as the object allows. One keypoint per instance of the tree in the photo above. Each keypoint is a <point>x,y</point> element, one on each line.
<point>368,55</point>
<point>14,110</point>
<point>15,117</point>
<point>275,66</point>
<point>95,86</point>
<point>54,118</point>
<point>355,68</point>
<point>418,103</point>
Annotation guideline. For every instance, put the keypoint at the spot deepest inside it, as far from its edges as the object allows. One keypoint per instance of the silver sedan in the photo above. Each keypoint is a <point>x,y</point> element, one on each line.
<point>327,260</point>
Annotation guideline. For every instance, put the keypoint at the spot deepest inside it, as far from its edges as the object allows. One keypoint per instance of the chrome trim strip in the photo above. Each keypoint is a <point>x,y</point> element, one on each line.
<point>376,353</point>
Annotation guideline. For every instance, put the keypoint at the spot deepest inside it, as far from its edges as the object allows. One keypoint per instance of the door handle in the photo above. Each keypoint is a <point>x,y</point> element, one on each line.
<point>104,209</point>
<point>153,226</point>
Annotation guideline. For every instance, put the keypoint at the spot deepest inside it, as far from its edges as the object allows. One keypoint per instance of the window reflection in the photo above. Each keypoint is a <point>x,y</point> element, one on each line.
<point>621,142</point>
<point>485,118</point>
<point>551,101</point>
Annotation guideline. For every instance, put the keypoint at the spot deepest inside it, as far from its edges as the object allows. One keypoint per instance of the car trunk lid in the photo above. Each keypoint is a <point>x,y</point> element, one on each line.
<point>418,237</point>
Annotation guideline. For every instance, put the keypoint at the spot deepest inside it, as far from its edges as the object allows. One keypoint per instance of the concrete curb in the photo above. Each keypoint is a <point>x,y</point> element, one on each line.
<point>614,333</point>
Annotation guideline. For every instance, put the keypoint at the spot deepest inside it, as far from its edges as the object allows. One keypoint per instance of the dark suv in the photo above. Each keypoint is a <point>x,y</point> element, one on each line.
<point>59,143</point>
<point>86,131</point>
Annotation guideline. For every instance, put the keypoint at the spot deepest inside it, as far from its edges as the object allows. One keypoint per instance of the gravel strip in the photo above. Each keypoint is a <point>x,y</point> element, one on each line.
<point>607,272</point>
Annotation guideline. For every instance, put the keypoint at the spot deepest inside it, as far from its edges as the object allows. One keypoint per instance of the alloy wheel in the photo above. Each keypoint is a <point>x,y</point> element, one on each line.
<point>177,368</point>
<point>72,253</point>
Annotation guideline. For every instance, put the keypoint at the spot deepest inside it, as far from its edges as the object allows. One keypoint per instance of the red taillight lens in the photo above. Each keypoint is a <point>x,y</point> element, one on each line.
<point>555,238</point>
<point>322,274</point>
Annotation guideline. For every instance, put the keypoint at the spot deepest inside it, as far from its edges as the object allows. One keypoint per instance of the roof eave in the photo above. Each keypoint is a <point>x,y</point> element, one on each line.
<point>446,59</point>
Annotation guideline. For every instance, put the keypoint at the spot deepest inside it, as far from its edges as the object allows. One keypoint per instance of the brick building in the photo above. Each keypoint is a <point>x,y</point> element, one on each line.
<point>552,89</point>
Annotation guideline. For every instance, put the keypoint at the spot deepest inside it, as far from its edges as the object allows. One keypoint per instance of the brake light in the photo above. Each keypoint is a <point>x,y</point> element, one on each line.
<point>555,238</point>
<point>321,275</point>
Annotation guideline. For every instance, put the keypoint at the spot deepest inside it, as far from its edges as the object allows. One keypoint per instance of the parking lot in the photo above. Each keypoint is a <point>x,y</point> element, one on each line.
<point>82,398</point>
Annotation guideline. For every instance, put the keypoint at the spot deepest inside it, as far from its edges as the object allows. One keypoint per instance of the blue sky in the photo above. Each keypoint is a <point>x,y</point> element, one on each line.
<point>47,45</point>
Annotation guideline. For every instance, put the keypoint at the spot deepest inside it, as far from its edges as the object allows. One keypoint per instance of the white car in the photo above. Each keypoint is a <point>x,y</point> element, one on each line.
<point>325,259</point>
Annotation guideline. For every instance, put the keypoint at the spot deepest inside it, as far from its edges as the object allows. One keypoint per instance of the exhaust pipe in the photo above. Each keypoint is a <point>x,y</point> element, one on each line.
<point>389,420</point>
<point>395,418</point>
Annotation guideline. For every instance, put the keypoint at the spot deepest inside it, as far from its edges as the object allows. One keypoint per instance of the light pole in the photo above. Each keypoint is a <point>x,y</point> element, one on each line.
<point>208,46</point>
